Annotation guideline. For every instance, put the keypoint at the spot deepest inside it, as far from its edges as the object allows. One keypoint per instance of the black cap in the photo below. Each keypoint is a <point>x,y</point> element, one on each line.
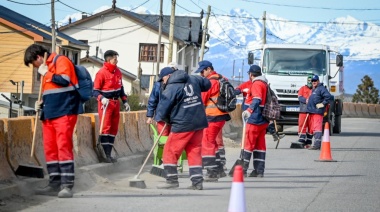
<point>164,72</point>
<point>255,70</point>
<point>110,53</point>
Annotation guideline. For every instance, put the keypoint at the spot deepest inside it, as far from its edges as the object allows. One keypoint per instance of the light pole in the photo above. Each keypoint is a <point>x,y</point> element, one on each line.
<point>15,83</point>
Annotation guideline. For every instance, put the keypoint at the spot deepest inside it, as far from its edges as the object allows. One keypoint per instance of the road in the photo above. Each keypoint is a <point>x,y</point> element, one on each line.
<point>293,181</point>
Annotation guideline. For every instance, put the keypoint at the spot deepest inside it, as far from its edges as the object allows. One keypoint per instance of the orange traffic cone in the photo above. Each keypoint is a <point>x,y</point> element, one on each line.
<point>237,196</point>
<point>325,155</point>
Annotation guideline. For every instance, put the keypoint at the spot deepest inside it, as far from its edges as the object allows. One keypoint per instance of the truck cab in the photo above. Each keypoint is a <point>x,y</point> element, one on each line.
<point>286,66</point>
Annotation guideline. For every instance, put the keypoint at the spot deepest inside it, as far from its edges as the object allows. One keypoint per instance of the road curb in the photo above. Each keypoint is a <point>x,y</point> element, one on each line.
<point>85,177</point>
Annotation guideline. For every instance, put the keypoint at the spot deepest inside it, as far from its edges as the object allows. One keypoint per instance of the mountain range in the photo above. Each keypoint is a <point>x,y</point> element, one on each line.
<point>233,35</point>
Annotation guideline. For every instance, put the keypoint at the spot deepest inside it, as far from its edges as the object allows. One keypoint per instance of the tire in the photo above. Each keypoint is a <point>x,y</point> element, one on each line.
<point>338,125</point>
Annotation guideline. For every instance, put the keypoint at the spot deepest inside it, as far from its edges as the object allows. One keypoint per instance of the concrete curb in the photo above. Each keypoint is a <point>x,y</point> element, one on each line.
<point>85,177</point>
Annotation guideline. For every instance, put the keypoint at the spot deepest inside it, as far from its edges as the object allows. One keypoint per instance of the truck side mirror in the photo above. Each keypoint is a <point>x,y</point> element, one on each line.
<point>339,60</point>
<point>250,58</point>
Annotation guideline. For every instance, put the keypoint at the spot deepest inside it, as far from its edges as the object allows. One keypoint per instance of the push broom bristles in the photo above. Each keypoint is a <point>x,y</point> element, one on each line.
<point>137,183</point>
<point>30,171</point>
<point>158,171</point>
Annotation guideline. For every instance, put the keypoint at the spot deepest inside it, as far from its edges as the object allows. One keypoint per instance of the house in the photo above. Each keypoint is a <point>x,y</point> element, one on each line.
<point>135,36</point>
<point>17,32</point>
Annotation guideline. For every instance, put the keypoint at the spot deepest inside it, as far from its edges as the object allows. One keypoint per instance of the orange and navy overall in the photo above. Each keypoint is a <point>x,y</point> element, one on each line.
<point>61,106</point>
<point>305,133</point>
<point>216,120</point>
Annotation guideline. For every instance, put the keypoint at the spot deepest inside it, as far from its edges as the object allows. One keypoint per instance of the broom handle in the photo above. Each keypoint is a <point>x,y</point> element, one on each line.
<point>37,112</point>
<point>151,150</point>
<point>102,121</point>
<point>303,125</point>
<point>243,138</point>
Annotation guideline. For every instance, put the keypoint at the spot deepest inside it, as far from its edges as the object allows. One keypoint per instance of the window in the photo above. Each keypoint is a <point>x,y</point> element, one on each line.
<point>148,53</point>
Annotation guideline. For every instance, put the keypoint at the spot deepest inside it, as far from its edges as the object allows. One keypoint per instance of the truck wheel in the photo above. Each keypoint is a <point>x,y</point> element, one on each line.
<point>337,127</point>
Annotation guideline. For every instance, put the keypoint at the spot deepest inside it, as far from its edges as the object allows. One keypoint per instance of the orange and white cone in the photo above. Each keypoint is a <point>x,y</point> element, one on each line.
<point>325,155</point>
<point>237,196</point>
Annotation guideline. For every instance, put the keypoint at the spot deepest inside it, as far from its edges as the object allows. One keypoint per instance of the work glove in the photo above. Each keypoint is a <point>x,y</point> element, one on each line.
<point>38,106</point>
<point>42,69</point>
<point>149,120</point>
<point>105,101</point>
<point>127,107</point>
<point>320,105</point>
<point>246,114</point>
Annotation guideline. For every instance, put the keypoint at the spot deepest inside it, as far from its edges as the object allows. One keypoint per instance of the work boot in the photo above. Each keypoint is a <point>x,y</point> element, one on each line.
<point>211,176</point>
<point>198,186</point>
<point>255,174</point>
<point>277,136</point>
<point>168,185</point>
<point>66,192</point>
<point>49,190</point>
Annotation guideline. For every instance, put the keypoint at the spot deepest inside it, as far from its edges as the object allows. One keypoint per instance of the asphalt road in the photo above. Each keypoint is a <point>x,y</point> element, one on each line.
<point>293,181</point>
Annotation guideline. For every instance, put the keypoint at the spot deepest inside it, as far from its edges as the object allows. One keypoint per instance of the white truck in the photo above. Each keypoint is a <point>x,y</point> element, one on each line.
<point>286,66</point>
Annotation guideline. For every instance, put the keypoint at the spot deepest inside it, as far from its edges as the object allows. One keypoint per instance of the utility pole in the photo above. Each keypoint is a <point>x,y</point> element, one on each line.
<point>264,29</point>
<point>53,50</point>
<point>242,70</point>
<point>171,32</point>
<point>204,33</point>
<point>233,71</point>
<point>159,39</point>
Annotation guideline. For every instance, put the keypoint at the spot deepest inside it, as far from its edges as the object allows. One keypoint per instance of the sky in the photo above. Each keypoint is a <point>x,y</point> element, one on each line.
<point>296,10</point>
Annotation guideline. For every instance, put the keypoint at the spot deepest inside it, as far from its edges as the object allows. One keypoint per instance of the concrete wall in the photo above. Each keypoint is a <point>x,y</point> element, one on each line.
<point>134,136</point>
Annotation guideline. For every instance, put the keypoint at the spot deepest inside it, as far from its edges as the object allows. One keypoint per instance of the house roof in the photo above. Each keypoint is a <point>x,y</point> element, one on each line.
<point>29,25</point>
<point>182,31</point>
<point>99,62</point>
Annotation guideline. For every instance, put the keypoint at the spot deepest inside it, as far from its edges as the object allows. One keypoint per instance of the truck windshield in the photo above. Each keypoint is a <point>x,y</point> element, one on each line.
<point>294,62</point>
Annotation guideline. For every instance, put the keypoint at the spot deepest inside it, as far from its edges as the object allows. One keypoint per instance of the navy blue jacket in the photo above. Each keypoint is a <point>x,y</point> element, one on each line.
<point>154,98</point>
<point>318,95</point>
<point>181,103</point>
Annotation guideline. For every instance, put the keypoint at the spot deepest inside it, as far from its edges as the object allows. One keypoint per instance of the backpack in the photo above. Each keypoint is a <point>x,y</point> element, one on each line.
<point>272,108</point>
<point>226,101</point>
<point>85,84</point>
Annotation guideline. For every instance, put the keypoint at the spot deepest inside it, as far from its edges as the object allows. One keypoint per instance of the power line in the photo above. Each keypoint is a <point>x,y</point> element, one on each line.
<point>216,19</point>
<point>140,5</point>
<point>72,7</point>
<point>308,7</point>
<point>30,4</point>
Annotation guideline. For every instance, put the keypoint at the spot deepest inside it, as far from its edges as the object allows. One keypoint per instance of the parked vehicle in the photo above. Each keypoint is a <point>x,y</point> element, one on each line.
<point>286,66</point>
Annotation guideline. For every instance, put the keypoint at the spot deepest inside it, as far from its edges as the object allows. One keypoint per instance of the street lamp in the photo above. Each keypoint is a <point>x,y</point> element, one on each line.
<point>14,83</point>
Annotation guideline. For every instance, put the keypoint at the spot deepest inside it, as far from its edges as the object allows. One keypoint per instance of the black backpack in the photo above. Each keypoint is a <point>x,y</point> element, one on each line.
<point>272,108</point>
<point>226,101</point>
<point>85,84</point>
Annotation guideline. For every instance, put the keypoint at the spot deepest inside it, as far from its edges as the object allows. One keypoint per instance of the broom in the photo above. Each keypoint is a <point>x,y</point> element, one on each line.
<point>298,145</point>
<point>32,170</point>
<point>239,161</point>
<point>158,170</point>
<point>99,149</point>
<point>136,182</point>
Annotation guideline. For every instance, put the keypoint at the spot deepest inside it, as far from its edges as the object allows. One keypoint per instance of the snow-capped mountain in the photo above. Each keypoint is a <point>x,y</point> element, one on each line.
<point>233,35</point>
